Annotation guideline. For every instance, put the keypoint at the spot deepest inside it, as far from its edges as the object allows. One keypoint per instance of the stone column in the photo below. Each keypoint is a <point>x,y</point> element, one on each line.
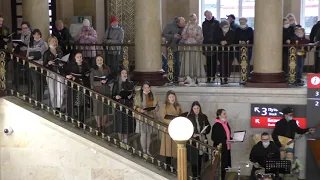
<point>148,42</point>
<point>267,58</point>
<point>36,12</point>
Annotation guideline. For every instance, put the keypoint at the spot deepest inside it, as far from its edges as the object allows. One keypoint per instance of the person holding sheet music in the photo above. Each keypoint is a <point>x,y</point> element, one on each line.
<point>201,129</point>
<point>221,134</point>
<point>122,91</point>
<point>79,72</point>
<point>23,39</point>
<point>145,101</point>
<point>55,83</point>
<point>100,79</point>
<point>173,108</point>
<point>263,151</point>
<point>35,52</point>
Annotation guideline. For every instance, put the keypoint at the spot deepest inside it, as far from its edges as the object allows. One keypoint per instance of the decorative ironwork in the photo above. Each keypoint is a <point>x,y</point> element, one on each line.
<point>170,65</point>
<point>292,64</point>
<point>125,61</point>
<point>244,63</point>
<point>2,70</point>
<point>124,11</point>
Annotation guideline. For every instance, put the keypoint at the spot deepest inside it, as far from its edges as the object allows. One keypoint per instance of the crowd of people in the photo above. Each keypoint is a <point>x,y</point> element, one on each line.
<point>228,33</point>
<point>91,71</point>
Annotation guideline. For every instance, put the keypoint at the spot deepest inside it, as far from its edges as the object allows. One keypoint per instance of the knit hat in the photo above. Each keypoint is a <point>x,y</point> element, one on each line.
<point>86,22</point>
<point>224,23</point>
<point>289,150</point>
<point>113,19</point>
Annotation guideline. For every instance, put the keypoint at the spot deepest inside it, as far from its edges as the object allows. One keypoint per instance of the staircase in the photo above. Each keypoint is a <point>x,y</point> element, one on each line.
<point>108,138</point>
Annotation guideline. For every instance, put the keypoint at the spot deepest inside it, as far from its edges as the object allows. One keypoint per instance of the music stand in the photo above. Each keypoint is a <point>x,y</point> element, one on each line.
<point>278,167</point>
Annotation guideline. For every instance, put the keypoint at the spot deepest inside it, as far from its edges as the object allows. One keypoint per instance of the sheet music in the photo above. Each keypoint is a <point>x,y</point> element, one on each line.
<point>102,77</point>
<point>204,129</point>
<point>238,136</point>
<point>64,58</point>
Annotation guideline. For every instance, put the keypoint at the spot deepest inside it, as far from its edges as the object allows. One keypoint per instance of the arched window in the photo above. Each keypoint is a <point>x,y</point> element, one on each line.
<point>221,8</point>
<point>309,14</point>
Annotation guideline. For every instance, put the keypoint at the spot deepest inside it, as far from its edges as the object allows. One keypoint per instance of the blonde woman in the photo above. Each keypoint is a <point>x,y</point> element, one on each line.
<point>55,83</point>
<point>191,64</point>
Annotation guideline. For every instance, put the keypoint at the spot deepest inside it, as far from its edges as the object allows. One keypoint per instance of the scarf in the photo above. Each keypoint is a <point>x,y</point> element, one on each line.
<point>25,36</point>
<point>226,129</point>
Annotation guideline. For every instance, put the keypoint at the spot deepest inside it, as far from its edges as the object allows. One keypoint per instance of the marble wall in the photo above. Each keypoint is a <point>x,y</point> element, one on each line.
<point>237,102</point>
<point>39,149</point>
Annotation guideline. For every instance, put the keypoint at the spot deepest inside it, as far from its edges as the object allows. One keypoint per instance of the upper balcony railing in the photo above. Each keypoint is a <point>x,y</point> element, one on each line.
<point>214,64</point>
<point>75,103</point>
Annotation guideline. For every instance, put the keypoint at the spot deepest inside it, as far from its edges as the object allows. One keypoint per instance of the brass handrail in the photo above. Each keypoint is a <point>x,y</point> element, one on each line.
<point>141,116</point>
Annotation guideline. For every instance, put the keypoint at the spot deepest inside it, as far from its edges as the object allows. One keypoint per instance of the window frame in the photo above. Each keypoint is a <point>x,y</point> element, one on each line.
<point>202,10</point>
<point>303,11</point>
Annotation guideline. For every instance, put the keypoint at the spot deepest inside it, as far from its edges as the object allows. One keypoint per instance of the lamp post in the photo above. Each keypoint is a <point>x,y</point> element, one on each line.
<point>180,130</point>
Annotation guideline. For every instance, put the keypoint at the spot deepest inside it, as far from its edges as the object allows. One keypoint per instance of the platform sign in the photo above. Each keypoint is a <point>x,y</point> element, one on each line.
<point>266,115</point>
<point>313,102</point>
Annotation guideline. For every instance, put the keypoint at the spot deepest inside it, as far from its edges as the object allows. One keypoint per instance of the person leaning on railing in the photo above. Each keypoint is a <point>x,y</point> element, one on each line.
<point>100,80</point>
<point>201,129</point>
<point>113,35</point>
<point>63,35</point>
<point>301,54</point>
<point>124,123</point>
<point>55,83</point>
<point>87,35</point>
<point>145,98</point>
<point>226,38</point>
<point>35,51</point>
<point>79,72</point>
<point>170,107</point>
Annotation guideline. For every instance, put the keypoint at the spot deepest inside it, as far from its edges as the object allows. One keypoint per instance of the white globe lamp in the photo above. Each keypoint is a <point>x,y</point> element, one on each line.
<point>181,130</point>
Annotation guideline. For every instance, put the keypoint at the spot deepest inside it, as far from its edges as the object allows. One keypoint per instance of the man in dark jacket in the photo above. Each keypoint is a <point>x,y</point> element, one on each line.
<point>172,32</point>
<point>263,151</point>
<point>63,35</point>
<point>313,35</point>
<point>4,33</point>
<point>233,24</point>
<point>210,28</point>
<point>287,127</point>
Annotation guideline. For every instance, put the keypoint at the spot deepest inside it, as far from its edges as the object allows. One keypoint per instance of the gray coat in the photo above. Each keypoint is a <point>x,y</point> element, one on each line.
<point>169,31</point>
<point>114,36</point>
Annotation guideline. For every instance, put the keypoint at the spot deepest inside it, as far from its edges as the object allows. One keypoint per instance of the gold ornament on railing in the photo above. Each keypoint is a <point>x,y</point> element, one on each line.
<point>170,65</point>
<point>292,64</point>
<point>2,70</point>
<point>125,60</point>
<point>244,63</point>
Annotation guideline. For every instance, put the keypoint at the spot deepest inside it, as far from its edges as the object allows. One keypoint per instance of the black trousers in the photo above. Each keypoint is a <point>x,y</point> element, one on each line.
<point>211,65</point>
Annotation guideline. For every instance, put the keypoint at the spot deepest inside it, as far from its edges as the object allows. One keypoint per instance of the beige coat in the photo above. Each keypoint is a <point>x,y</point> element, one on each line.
<point>168,146</point>
<point>138,105</point>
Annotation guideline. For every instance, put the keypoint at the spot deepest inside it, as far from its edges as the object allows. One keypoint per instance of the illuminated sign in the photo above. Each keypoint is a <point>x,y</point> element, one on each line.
<point>266,115</point>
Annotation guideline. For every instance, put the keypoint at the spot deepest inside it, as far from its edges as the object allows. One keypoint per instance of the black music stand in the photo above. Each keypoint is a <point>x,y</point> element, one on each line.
<point>278,167</point>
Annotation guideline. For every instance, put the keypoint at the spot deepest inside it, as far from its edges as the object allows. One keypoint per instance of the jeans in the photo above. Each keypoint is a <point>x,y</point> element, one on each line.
<point>164,63</point>
<point>299,67</point>
<point>176,57</point>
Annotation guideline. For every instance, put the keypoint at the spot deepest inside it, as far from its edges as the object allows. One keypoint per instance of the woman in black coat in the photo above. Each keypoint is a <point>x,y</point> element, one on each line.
<point>226,38</point>
<point>220,134</point>
<point>201,129</point>
<point>79,72</point>
<point>123,123</point>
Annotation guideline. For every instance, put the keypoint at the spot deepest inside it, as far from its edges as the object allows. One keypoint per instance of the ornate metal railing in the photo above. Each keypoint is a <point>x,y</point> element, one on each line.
<point>41,88</point>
